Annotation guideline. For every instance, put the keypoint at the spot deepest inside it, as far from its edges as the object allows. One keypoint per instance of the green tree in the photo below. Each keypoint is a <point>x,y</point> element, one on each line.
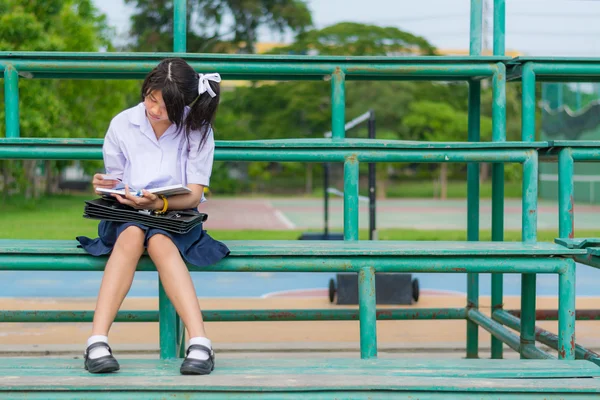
<point>57,108</point>
<point>303,109</point>
<point>216,25</point>
<point>351,38</point>
<point>435,122</point>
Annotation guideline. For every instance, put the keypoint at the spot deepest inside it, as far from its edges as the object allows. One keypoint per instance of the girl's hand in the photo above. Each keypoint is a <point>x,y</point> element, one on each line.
<point>147,201</point>
<point>99,182</point>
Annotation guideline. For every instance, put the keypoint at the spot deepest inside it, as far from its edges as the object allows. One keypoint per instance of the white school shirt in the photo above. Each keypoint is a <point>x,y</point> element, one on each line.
<point>132,153</point>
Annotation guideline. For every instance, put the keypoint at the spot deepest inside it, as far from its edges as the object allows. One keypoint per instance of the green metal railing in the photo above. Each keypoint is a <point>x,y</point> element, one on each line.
<point>339,70</point>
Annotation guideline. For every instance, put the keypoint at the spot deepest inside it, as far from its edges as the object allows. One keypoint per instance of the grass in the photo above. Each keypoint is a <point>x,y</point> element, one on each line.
<point>456,190</point>
<point>60,217</point>
<point>421,189</point>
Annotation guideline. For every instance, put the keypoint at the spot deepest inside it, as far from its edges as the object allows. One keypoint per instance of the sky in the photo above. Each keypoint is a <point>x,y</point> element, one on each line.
<point>533,27</point>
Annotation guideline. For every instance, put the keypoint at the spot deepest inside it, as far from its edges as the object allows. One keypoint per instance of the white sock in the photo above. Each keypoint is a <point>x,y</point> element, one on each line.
<point>200,354</point>
<point>98,351</point>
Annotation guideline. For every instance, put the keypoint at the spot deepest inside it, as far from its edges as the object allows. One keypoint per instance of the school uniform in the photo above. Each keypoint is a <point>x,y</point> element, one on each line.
<point>132,153</point>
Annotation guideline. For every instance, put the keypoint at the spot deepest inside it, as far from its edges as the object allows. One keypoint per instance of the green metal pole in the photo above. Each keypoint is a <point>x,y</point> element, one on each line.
<point>545,337</point>
<point>179,46</point>
<point>528,282</point>
<point>530,194</point>
<point>351,176</point>
<point>566,313</point>
<point>529,235</point>
<point>180,337</point>
<point>566,203</point>
<point>505,335</point>
<point>167,322</point>
<point>499,104</point>
<point>179,26</point>
<point>367,309</point>
<point>497,304</point>
<point>316,262</point>
<point>11,101</point>
<point>366,276</point>
<point>528,103</point>
<point>338,104</point>
<point>476,31</point>
<point>474,121</point>
<point>386,314</point>
<point>499,26</point>
<point>498,135</point>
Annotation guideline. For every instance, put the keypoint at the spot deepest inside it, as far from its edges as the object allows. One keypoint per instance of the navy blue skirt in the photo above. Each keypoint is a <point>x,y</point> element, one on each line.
<point>196,246</point>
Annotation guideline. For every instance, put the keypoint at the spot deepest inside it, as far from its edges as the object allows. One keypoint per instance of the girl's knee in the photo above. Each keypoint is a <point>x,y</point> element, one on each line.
<point>132,236</point>
<point>158,241</point>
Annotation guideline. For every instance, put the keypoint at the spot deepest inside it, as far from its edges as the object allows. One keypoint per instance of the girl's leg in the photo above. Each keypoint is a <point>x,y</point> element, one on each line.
<point>116,282</point>
<point>177,282</point>
<point>117,279</point>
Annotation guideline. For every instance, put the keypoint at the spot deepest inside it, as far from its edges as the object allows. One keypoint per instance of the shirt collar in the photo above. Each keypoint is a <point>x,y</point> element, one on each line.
<point>138,115</point>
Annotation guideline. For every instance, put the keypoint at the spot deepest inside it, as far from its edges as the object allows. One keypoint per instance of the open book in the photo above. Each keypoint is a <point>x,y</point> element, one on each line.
<point>167,191</point>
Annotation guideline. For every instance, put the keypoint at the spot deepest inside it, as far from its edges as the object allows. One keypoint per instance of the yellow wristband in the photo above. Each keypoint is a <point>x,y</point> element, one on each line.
<point>165,205</point>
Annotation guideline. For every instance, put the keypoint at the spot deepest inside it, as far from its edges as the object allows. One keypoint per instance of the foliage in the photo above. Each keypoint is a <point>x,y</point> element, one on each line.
<point>58,108</point>
<point>216,25</point>
<point>351,38</point>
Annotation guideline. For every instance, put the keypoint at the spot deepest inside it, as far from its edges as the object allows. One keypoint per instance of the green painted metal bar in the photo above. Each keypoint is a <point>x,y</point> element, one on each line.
<point>270,77</point>
<point>530,195</point>
<point>528,103</point>
<point>11,101</point>
<point>560,95</point>
<point>167,325</point>
<point>351,178</point>
<point>499,104</point>
<point>308,155</point>
<point>564,70</point>
<point>587,154</point>
<point>552,315</point>
<point>476,31</point>
<point>505,335</point>
<point>181,345</point>
<point>566,203</point>
<point>24,316</point>
<point>566,313</point>
<point>528,291</point>
<point>6,56</point>
<point>259,69</point>
<point>429,393</point>
<point>499,27</point>
<point>338,104</point>
<point>441,264</point>
<point>497,304</point>
<point>391,314</point>
<point>529,234</point>
<point>367,307</point>
<point>229,76</point>
<point>317,143</point>
<point>544,336</point>
<point>474,118</point>
<point>179,26</point>
<point>498,135</point>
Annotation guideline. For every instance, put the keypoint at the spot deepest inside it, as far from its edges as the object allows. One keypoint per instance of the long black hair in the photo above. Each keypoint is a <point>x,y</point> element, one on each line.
<point>178,82</point>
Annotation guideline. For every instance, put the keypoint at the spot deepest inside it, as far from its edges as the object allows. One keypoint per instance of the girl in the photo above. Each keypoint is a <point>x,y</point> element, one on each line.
<point>165,140</point>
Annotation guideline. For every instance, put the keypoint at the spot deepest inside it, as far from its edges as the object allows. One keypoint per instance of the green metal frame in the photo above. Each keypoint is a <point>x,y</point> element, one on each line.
<point>471,69</point>
<point>351,153</point>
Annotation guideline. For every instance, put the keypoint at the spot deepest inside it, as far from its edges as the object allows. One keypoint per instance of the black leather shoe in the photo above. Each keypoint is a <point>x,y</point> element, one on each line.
<point>101,365</point>
<point>193,366</point>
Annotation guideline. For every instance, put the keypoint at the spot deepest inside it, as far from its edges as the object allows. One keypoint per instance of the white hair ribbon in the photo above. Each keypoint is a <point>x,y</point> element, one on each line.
<point>204,86</point>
